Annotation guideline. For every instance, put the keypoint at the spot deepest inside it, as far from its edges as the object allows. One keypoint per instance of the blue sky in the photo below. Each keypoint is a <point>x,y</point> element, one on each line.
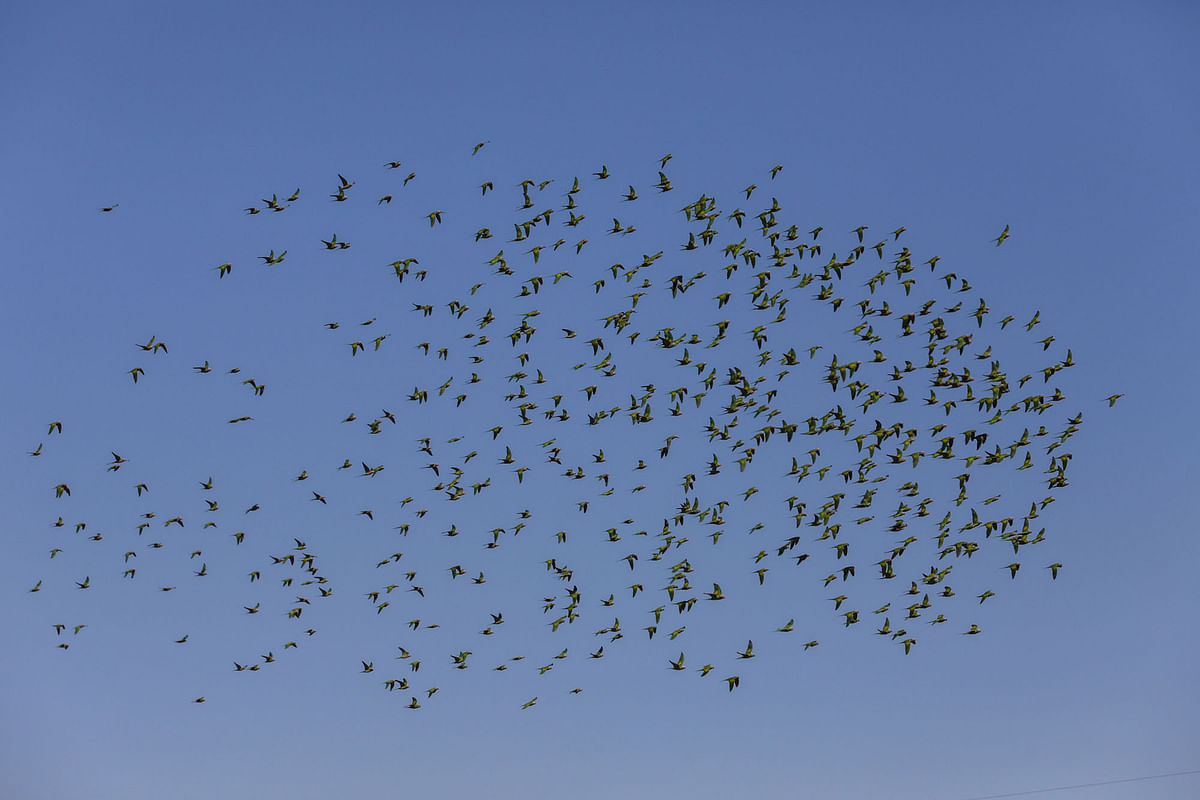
<point>1074,126</point>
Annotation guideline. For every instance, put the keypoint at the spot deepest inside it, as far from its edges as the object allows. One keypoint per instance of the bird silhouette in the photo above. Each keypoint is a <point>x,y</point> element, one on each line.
<point>913,336</point>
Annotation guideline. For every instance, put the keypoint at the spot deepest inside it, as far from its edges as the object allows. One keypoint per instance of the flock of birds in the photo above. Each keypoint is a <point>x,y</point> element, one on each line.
<point>674,405</point>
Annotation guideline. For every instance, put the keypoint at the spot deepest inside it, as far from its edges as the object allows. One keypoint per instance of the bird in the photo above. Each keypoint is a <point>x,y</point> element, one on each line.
<point>999,240</point>
<point>756,412</point>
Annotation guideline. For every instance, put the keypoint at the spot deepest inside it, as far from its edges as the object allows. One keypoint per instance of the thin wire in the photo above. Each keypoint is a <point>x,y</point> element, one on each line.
<point>1086,785</point>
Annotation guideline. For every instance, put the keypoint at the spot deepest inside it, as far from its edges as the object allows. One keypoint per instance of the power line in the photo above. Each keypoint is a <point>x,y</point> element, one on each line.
<point>1085,785</point>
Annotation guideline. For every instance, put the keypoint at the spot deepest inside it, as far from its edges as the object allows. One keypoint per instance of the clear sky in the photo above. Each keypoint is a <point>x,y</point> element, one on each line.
<point>1072,127</point>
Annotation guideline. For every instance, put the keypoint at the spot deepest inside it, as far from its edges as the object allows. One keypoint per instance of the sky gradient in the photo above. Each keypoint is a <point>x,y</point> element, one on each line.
<point>1075,126</point>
